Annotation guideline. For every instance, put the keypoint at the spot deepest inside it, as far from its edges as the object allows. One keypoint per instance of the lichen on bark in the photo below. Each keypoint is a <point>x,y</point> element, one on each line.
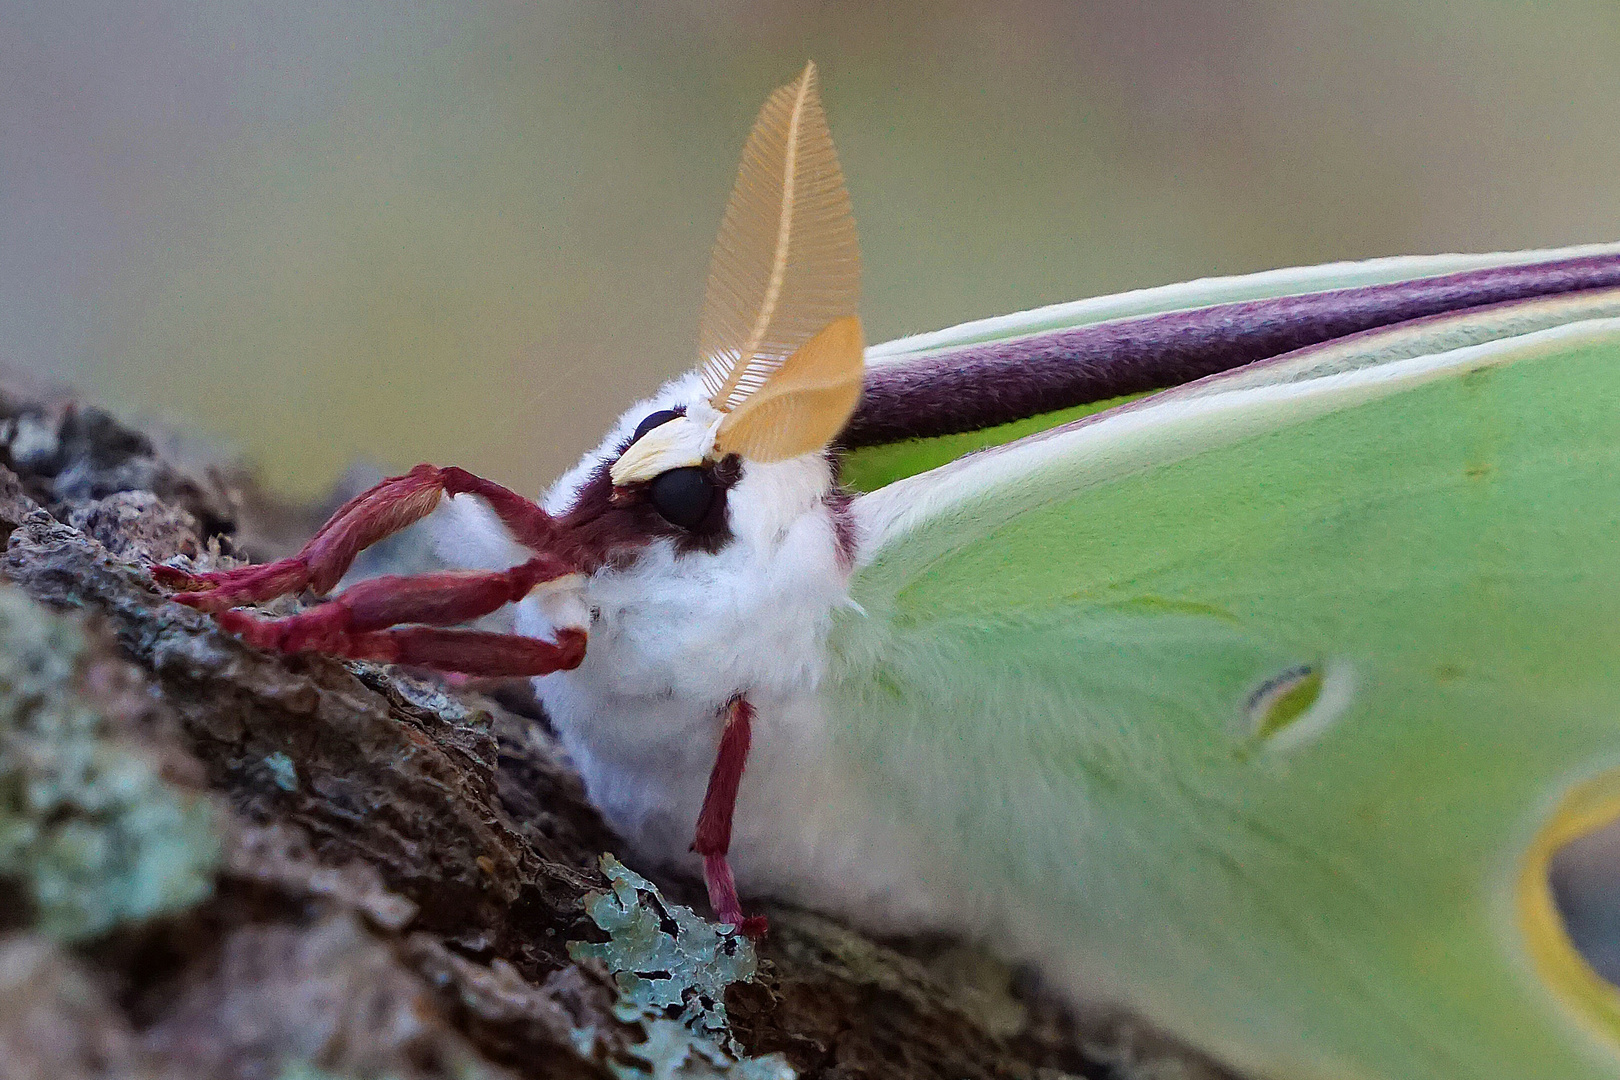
<point>91,835</point>
<point>672,969</point>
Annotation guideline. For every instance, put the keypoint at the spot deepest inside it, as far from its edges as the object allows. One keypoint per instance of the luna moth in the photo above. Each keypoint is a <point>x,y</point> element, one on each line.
<point>1239,651</point>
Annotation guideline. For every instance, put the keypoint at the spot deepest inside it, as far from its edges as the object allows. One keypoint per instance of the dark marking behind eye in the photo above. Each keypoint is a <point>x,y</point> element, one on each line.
<point>657,419</point>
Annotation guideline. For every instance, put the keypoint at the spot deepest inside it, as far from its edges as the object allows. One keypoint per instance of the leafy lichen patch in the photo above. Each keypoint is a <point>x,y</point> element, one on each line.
<point>672,968</point>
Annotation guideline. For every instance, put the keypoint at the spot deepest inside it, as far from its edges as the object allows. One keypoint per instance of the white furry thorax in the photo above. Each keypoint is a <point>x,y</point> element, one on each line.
<point>750,618</point>
<point>672,637</point>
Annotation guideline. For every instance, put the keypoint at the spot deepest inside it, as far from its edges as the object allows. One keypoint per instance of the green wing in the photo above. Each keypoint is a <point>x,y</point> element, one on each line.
<point>1267,699</point>
<point>871,467</point>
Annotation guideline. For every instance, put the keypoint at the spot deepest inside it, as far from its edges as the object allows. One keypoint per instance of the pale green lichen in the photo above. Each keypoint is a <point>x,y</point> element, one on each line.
<point>672,969</point>
<point>90,833</point>
<point>282,771</point>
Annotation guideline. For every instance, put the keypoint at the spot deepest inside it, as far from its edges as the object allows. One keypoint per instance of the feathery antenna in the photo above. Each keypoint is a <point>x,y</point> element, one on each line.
<point>787,262</point>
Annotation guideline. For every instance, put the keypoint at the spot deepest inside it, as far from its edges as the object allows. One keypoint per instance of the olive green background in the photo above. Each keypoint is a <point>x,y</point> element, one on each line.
<point>472,232</point>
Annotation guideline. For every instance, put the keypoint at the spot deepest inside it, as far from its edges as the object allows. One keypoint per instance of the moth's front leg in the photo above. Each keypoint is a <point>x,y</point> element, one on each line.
<point>377,512</point>
<point>713,838</point>
<point>363,623</point>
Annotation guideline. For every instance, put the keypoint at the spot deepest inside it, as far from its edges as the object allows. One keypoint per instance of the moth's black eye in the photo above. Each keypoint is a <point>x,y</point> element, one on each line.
<point>683,497</point>
<point>662,416</point>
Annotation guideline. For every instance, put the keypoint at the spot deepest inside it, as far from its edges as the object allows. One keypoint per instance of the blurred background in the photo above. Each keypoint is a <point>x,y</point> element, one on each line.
<point>472,231</point>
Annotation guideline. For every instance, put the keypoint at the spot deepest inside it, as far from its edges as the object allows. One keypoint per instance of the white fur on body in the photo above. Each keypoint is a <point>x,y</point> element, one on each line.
<point>672,638</point>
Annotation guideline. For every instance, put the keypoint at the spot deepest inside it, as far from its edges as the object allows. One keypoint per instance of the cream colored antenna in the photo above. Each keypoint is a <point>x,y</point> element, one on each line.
<point>785,275</point>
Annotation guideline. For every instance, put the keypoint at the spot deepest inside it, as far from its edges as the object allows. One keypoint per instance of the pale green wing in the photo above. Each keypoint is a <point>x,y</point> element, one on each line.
<point>1184,296</point>
<point>1269,697</point>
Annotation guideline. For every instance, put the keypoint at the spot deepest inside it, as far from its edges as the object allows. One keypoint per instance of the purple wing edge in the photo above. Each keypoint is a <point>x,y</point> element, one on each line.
<point>979,386</point>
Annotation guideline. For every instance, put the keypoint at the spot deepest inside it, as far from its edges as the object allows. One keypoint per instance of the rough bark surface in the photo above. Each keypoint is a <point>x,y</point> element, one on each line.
<point>391,871</point>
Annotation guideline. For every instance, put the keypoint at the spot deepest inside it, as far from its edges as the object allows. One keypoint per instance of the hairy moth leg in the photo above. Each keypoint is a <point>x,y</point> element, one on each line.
<point>713,834</point>
<point>440,599</point>
<point>464,652</point>
<point>362,521</point>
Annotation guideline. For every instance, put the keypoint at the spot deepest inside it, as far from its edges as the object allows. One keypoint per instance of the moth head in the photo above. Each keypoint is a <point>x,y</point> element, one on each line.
<point>780,342</point>
<point>796,408</point>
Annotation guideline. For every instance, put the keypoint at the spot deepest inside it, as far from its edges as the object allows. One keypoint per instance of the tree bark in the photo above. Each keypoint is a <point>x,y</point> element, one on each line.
<point>390,871</point>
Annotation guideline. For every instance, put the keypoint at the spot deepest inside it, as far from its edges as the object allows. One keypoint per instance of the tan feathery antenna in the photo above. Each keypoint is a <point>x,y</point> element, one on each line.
<point>787,263</point>
<point>803,404</point>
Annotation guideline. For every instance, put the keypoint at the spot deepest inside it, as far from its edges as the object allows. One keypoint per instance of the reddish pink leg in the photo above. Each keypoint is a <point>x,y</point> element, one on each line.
<point>441,599</point>
<point>713,837</point>
<point>363,623</point>
<point>465,652</point>
<point>359,523</point>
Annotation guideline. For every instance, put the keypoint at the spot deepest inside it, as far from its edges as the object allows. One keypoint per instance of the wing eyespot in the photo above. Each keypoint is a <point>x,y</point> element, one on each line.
<point>1295,707</point>
<point>1563,920</point>
<point>1283,699</point>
